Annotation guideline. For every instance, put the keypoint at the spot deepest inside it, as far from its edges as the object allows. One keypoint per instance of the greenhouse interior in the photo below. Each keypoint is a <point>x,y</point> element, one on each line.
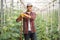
<point>47,20</point>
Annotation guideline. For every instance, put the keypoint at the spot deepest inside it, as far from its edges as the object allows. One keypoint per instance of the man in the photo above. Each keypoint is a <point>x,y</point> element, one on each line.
<point>28,23</point>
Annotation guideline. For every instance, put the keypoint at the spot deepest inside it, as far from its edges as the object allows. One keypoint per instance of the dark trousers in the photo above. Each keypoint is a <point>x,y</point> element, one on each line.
<point>30,35</point>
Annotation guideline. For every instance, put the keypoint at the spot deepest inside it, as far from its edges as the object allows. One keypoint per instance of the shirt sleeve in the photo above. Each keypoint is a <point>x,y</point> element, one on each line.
<point>19,18</point>
<point>33,16</point>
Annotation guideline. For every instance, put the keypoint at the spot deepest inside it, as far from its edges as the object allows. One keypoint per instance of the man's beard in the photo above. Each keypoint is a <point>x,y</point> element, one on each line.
<point>29,10</point>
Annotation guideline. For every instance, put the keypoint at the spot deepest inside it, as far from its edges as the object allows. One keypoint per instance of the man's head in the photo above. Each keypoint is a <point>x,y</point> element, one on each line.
<point>29,7</point>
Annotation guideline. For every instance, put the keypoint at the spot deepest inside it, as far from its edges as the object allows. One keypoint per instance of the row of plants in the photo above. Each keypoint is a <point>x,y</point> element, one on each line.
<point>45,29</point>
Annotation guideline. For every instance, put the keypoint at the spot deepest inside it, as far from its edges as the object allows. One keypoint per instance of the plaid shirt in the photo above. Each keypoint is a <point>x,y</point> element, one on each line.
<point>25,22</point>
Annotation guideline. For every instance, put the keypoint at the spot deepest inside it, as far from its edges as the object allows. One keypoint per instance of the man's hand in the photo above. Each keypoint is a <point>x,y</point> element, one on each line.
<point>25,15</point>
<point>19,19</point>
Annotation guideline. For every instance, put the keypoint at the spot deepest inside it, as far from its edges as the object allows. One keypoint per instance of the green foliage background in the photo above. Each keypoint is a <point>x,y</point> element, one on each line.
<point>11,30</point>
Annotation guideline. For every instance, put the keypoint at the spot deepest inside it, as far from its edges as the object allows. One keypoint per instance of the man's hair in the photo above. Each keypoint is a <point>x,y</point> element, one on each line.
<point>29,5</point>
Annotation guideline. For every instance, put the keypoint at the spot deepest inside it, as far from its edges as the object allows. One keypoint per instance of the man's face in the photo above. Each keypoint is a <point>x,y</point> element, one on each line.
<point>29,8</point>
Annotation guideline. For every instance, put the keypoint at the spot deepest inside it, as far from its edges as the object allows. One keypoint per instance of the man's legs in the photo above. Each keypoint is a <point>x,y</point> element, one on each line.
<point>30,35</point>
<point>26,36</point>
<point>33,36</point>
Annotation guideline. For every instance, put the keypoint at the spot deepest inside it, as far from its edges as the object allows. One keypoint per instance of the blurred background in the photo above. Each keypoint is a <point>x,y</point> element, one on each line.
<point>47,21</point>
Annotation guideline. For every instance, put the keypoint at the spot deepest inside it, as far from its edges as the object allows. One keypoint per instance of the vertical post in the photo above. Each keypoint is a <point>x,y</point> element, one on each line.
<point>47,21</point>
<point>59,19</point>
<point>2,13</point>
<point>11,7</point>
<point>21,31</point>
<point>49,14</point>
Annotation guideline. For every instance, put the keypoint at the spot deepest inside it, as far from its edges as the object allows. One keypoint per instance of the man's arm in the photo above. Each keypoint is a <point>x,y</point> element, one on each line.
<point>33,16</point>
<point>22,15</point>
<point>27,16</point>
<point>19,18</point>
